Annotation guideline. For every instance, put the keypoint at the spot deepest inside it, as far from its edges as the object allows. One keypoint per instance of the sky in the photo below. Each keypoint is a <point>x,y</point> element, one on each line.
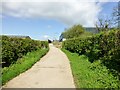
<point>47,19</point>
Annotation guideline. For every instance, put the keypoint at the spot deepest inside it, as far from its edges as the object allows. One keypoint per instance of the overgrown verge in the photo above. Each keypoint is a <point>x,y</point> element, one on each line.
<point>103,47</point>
<point>15,48</point>
<point>19,54</point>
<point>22,64</point>
<point>90,75</point>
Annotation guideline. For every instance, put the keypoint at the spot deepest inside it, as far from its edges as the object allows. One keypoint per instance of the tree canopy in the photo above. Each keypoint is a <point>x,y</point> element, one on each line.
<point>72,32</point>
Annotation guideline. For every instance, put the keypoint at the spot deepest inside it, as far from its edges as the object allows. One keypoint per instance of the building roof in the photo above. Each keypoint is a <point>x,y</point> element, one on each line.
<point>91,29</point>
<point>17,36</point>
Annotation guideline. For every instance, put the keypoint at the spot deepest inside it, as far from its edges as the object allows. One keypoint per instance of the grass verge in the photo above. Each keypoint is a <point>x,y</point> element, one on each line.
<point>90,75</point>
<point>22,65</point>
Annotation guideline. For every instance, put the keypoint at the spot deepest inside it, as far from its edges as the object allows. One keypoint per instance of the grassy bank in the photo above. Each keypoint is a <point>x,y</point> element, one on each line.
<point>90,75</point>
<point>22,65</point>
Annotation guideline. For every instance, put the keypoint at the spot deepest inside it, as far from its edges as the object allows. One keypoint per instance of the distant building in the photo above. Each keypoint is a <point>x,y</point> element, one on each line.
<point>91,29</point>
<point>18,36</point>
<point>61,38</point>
<point>49,41</point>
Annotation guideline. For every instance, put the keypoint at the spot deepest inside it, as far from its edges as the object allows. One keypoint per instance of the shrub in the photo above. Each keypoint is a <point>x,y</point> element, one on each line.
<point>22,65</point>
<point>14,48</point>
<point>104,46</point>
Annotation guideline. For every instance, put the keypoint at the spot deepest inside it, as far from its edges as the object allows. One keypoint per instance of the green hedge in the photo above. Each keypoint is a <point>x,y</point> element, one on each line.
<point>14,48</point>
<point>22,65</point>
<point>91,75</point>
<point>104,46</point>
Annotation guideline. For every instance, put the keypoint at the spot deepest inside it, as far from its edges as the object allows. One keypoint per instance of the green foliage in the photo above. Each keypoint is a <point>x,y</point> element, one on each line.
<point>73,32</point>
<point>91,75</point>
<point>86,34</point>
<point>44,44</point>
<point>22,64</point>
<point>104,47</point>
<point>14,48</point>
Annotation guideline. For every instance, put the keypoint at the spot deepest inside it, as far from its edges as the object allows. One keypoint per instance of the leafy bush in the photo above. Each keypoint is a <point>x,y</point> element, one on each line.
<point>104,46</point>
<point>22,65</point>
<point>15,48</point>
<point>91,75</point>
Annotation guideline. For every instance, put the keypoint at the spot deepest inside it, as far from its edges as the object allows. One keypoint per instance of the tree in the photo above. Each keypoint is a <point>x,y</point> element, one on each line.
<point>73,32</point>
<point>116,15</point>
<point>103,24</point>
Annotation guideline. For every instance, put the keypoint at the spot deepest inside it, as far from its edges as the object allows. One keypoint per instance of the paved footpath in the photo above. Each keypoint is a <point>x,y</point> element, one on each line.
<point>52,71</point>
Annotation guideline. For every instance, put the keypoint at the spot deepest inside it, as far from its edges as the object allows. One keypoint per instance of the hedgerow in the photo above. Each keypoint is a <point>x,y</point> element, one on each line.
<point>23,64</point>
<point>104,46</point>
<point>101,69</point>
<point>91,75</point>
<point>14,48</point>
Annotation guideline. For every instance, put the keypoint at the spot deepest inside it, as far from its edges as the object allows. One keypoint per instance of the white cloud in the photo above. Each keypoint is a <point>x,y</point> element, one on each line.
<point>46,36</point>
<point>72,12</point>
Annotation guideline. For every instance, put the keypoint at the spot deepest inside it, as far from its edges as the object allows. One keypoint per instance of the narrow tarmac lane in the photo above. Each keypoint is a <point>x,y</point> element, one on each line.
<point>52,71</point>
